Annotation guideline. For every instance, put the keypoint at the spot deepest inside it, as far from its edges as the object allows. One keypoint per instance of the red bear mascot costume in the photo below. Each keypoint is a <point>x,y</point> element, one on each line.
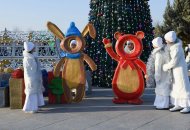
<point>128,80</point>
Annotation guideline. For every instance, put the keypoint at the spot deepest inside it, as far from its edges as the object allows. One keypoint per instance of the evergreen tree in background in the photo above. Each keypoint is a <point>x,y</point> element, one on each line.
<point>182,23</point>
<point>109,16</point>
<point>177,18</point>
<point>160,30</point>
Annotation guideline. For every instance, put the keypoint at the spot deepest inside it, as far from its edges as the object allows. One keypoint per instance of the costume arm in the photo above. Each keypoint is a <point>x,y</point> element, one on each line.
<point>141,65</point>
<point>90,62</point>
<point>30,66</point>
<point>174,60</point>
<point>109,49</point>
<point>58,66</point>
<point>158,67</point>
<point>187,59</point>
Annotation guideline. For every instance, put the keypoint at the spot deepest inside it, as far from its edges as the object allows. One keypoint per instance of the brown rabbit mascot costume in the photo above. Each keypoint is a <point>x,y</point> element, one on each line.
<point>72,61</point>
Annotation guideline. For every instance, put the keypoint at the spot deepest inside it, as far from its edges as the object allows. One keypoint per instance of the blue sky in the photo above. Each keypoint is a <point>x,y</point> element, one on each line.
<point>28,15</point>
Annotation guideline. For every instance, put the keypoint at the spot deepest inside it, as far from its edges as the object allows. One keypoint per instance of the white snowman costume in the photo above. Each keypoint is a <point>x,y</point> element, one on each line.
<point>180,94</point>
<point>162,79</point>
<point>32,79</point>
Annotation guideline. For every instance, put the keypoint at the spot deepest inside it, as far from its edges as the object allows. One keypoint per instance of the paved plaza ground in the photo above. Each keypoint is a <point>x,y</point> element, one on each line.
<point>96,112</point>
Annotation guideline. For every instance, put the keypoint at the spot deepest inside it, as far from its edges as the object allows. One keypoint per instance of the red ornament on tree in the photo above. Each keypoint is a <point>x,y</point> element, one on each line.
<point>99,14</point>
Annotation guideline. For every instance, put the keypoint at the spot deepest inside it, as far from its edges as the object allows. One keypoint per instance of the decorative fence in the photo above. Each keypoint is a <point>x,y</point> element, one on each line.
<point>11,48</point>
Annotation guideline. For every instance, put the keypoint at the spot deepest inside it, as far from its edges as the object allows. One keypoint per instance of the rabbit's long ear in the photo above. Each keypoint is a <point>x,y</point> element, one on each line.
<point>55,30</point>
<point>91,29</point>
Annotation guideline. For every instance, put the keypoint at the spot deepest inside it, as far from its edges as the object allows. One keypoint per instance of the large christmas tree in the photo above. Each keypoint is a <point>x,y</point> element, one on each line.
<point>109,16</point>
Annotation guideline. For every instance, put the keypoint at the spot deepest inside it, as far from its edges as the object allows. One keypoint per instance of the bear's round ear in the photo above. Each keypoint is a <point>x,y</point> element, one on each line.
<point>140,34</point>
<point>117,35</point>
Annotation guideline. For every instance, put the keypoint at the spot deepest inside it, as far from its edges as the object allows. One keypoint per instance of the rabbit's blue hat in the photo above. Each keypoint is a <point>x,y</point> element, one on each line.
<point>73,30</point>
